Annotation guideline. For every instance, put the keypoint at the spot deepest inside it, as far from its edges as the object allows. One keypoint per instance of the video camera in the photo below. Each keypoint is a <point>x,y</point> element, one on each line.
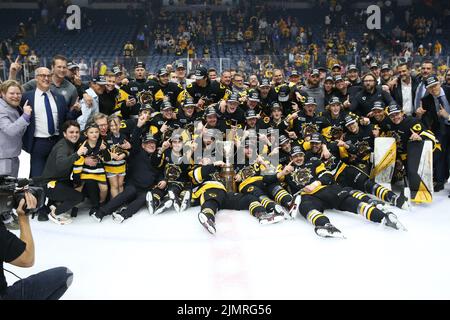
<point>12,190</point>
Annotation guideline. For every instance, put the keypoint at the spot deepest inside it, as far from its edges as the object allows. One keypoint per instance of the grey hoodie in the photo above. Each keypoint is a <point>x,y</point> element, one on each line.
<point>12,128</point>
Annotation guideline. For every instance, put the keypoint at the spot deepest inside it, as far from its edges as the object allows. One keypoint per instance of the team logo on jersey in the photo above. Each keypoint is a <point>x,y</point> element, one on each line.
<point>247,172</point>
<point>173,172</point>
<point>309,129</point>
<point>145,97</point>
<point>251,189</point>
<point>363,148</point>
<point>302,176</point>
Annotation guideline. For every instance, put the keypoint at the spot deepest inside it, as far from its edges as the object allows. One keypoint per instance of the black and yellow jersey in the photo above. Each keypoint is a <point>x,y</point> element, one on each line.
<point>213,92</point>
<point>204,178</point>
<point>305,125</point>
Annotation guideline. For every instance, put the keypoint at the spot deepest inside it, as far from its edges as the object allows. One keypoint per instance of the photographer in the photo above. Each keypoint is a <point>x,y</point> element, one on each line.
<point>12,126</point>
<point>47,285</point>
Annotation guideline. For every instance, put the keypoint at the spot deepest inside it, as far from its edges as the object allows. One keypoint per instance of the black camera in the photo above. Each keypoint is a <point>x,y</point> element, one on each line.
<point>12,190</point>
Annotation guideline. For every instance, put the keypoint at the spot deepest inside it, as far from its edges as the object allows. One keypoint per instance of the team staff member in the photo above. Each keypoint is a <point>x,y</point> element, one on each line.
<point>362,103</point>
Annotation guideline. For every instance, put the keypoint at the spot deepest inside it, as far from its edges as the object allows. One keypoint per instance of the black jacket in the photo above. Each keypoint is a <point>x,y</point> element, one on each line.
<point>363,102</point>
<point>60,161</point>
<point>431,119</point>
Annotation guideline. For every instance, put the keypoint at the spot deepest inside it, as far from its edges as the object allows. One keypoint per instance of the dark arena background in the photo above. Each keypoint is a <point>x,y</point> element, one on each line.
<point>325,81</point>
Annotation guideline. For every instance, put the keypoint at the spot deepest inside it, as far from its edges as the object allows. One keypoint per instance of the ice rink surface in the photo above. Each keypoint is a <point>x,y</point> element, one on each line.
<point>171,256</point>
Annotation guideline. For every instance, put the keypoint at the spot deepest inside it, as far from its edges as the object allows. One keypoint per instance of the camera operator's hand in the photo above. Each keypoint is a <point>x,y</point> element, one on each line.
<point>29,202</point>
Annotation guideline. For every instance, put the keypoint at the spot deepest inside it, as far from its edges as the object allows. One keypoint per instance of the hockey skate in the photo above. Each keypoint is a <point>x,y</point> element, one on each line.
<point>391,220</point>
<point>294,207</point>
<point>328,231</point>
<point>279,210</point>
<point>94,214</point>
<point>117,217</point>
<point>176,201</point>
<point>268,217</point>
<point>402,202</point>
<point>186,202</point>
<point>164,205</point>
<point>207,221</point>
<point>149,202</point>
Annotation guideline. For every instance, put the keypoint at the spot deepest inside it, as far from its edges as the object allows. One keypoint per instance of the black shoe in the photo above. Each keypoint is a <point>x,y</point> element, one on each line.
<point>43,214</point>
<point>74,212</point>
<point>439,186</point>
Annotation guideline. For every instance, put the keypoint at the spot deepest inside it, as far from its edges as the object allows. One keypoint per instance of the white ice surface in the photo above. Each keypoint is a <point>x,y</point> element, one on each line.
<point>171,256</point>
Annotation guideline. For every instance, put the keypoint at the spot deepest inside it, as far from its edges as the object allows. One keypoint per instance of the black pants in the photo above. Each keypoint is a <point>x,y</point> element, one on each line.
<point>359,180</point>
<point>336,197</point>
<point>39,154</point>
<point>441,160</point>
<point>64,192</point>
<point>216,199</point>
<point>132,196</point>
<point>91,190</point>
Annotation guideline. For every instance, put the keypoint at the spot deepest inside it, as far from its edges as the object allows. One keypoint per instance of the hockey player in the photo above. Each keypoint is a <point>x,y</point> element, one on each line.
<point>348,175</point>
<point>310,180</point>
<point>252,180</point>
<point>210,193</point>
<point>176,167</point>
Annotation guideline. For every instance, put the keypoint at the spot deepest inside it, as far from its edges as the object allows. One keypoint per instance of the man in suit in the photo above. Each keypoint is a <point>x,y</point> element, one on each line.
<point>435,113</point>
<point>426,70</point>
<point>50,111</point>
<point>403,89</point>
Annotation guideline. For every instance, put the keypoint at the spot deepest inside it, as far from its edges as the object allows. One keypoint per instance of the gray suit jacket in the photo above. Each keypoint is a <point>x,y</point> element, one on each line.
<point>12,128</point>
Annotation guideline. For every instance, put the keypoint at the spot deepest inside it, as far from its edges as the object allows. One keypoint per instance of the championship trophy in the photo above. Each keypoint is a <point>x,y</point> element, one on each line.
<point>227,172</point>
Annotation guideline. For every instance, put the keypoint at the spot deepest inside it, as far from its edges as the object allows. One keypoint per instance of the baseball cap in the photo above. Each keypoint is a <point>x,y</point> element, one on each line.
<point>385,67</point>
<point>210,111</point>
<point>283,93</point>
<point>329,78</point>
<point>116,70</point>
<point>315,72</point>
<point>188,101</point>
<point>265,83</point>
<point>166,105</point>
<point>201,73</point>
<point>349,120</point>
<point>139,64</point>
<point>180,65</point>
<point>253,95</point>
<point>99,80</point>
<point>72,65</point>
<point>431,81</point>
<point>311,100</point>
<point>149,137</point>
<point>146,106</point>
<point>393,108</point>
<point>338,78</point>
<point>322,69</point>
<point>334,100</point>
<point>297,150</point>
<point>284,139</point>
<point>336,65</point>
<point>315,138</point>
<point>352,67</point>
<point>378,105</point>
<point>250,114</point>
<point>162,71</point>
<point>294,73</point>
<point>373,65</point>
<point>276,105</point>
<point>234,97</point>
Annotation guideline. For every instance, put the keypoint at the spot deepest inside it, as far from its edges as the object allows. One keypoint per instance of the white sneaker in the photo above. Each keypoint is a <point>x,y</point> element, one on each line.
<point>117,217</point>
<point>149,202</point>
<point>61,219</point>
